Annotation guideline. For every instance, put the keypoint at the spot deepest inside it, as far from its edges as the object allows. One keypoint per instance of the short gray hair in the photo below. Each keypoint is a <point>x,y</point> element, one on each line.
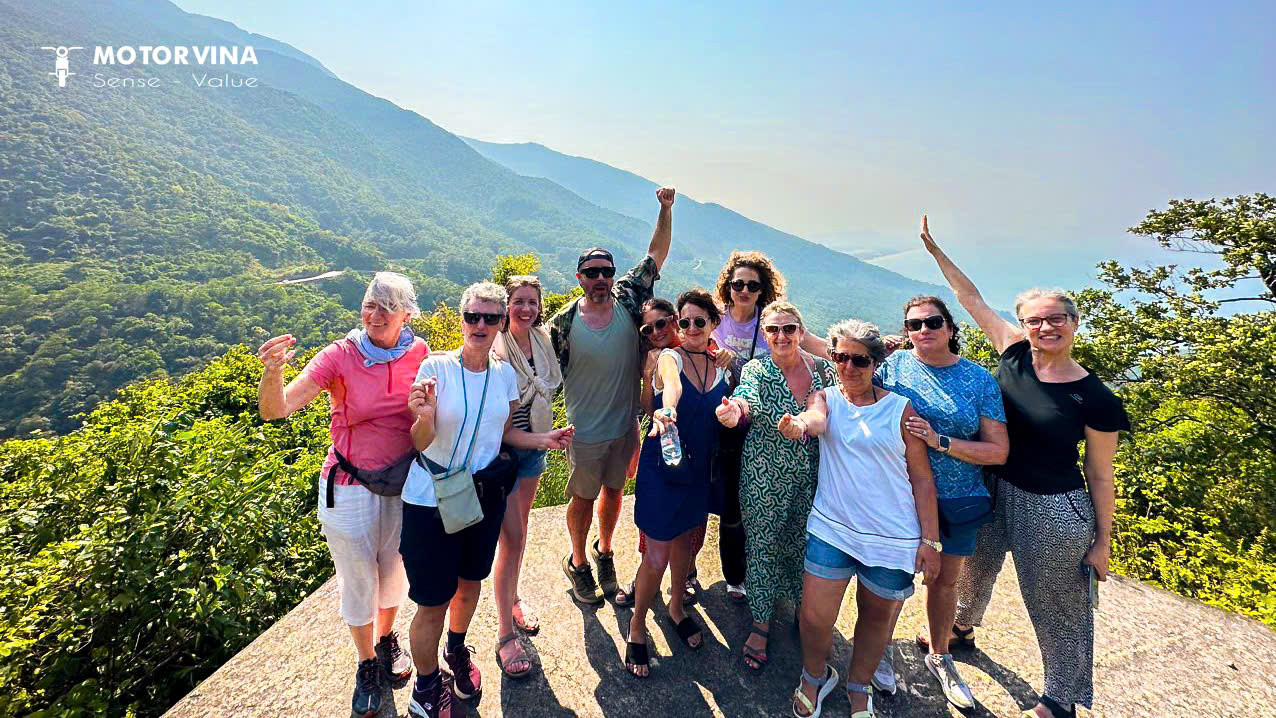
<point>859,331</point>
<point>393,292</point>
<point>485,292</point>
<point>1058,295</point>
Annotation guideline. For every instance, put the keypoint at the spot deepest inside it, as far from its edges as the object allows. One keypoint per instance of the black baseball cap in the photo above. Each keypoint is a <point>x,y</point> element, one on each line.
<point>595,253</point>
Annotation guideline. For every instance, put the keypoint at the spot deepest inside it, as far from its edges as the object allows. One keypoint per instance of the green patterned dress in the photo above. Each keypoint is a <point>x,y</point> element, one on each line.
<point>777,484</point>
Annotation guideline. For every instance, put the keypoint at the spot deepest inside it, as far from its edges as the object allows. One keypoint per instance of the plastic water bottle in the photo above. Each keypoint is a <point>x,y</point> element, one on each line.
<point>670,446</point>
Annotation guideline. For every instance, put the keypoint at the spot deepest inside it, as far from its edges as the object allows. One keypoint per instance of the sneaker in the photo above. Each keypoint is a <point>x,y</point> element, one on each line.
<point>583,587</point>
<point>367,690</point>
<point>433,702</point>
<point>941,666</point>
<point>396,663</point>
<point>466,679</point>
<point>884,679</point>
<point>606,569</point>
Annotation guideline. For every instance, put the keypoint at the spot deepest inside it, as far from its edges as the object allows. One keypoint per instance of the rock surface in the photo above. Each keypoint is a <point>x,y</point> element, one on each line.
<point>1157,654</point>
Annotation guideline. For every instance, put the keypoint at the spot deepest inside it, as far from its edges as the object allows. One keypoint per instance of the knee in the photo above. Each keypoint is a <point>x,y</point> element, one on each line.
<point>874,609</point>
<point>429,615</point>
<point>468,591</point>
<point>945,582</point>
<point>657,555</point>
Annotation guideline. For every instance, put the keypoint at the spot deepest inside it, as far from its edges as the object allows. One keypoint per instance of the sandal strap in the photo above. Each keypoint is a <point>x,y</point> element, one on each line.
<point>1058,710</point>
<point>636,654</point>
<point>800,697</point>
<point>963,633</point>
<point>864,688</point>
<point>817,682</point>
<point>511,636</point>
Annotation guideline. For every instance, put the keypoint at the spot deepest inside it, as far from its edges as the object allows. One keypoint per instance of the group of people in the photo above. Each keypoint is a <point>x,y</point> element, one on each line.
<point>826,458</point>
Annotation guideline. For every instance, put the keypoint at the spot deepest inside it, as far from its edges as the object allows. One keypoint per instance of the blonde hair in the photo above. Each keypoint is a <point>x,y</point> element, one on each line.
<point>782,306</point>
<point>517,282</point>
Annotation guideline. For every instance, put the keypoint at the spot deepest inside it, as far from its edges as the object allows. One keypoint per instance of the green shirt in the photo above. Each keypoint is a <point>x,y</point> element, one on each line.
<point>601,377</point>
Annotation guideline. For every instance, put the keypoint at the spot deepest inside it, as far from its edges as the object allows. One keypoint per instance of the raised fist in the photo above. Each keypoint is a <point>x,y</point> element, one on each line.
<point>665,195</point>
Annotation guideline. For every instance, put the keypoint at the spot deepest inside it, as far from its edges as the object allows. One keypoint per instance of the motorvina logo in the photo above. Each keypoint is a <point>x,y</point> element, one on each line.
<point>128,55</point>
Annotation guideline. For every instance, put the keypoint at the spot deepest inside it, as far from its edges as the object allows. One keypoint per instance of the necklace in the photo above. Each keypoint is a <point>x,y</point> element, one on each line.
<point>851,401</point>
<point>702,378</point>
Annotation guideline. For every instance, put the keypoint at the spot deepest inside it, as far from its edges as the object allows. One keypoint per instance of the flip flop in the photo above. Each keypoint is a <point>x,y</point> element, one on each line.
<point>505,665</point>
<point>687,628</point>
<point>636,655</point>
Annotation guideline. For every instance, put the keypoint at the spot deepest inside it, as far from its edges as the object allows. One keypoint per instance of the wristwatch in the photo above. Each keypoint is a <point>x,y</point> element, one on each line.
<point>939,547</point>
<point>945,444</point>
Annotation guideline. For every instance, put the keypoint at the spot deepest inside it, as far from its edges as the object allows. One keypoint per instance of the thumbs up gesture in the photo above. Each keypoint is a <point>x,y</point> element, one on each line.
<point>791,427</point>
<point>728,413</point>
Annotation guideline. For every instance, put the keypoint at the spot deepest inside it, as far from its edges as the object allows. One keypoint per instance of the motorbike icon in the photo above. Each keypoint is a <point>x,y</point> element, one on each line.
<point>62,63</point>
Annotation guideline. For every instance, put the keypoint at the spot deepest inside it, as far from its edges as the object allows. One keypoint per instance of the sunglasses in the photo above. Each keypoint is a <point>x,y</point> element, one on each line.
<point>741,285</point>
<point>474,317</point>
<point>647,329</point>
<point>1054,320</point>
<point>859,361</point>
<point>934,321</point>
<point>593,272</point>
<point>789,329</point>
<point>700,323</point>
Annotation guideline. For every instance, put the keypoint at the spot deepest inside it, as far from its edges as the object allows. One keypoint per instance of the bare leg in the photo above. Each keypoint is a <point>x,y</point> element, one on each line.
<point>363,643</point>
<point>650,572</point>
<point>608,515</point>
<point>679,566</point>
<point>580,514</point>
<point>941,602</point>
<point>873,622</point>
<point>423,637</point>
<point>821,601</point>
<point>463,604</point>
<point>508,564</point>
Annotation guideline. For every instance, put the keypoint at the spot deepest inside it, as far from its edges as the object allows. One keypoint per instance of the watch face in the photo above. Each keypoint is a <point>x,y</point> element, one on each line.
<point>944,442</point>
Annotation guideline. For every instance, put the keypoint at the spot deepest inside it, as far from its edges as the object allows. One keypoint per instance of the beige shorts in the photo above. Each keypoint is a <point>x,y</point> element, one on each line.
<point>600,464</point>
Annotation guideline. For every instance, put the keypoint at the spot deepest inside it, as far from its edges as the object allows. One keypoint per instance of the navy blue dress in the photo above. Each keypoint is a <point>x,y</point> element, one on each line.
<point>671,500</point>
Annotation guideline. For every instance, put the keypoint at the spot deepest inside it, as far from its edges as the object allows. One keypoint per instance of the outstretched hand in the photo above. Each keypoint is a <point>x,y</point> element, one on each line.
<point>662,419</point>
<point>560,438</point>
<point>728,413</point>
<point>791,427</point>
<point>666,196</point>
<point>275,352</point>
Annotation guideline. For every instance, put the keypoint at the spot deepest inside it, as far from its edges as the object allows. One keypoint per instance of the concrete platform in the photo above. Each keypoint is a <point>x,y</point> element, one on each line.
<point>1157,654</point>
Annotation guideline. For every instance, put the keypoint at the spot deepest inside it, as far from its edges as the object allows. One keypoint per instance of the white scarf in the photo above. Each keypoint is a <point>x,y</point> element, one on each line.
<point>536,387</point>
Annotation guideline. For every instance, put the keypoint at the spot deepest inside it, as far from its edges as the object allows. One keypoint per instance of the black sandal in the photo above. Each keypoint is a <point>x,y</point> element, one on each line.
<point>627,593</point>
<point>961,638</point>
<point>749,653</point>
<point>636,655</point>
<point>1058,710</point>
<point>687,628</point>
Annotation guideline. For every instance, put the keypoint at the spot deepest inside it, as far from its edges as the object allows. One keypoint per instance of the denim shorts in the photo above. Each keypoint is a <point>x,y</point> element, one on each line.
<point>959,522</point>
<point>827,561</point>
<point>531,462</point>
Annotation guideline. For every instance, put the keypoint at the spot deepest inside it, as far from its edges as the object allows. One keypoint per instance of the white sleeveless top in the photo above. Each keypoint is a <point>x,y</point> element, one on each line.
<point>864,501</point>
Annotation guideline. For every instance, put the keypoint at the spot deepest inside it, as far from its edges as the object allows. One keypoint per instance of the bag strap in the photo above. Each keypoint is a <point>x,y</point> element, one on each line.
<point>487,375</point>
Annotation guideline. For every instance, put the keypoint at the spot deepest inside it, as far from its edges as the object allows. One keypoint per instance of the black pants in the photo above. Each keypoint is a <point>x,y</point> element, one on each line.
<point>730,526</point>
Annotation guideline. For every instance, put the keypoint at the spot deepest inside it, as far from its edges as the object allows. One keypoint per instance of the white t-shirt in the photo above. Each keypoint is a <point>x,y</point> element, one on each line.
<point>456,385</point>
<point>864,499</point>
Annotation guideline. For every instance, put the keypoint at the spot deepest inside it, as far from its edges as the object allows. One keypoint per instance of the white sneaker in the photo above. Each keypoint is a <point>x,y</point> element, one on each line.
<point>941,666</point>
<point>884,677</point>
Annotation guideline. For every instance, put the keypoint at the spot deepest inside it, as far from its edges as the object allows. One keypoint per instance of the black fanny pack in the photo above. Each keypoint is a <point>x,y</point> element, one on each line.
<point>386,481</point>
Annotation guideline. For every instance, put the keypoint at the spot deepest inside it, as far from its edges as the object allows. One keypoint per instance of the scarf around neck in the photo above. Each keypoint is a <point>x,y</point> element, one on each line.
<point>535,386</point>
<point>373,354</point>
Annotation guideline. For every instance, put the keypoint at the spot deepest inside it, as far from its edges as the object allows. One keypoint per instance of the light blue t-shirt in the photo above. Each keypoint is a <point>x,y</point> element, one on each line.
<point>952,399</point>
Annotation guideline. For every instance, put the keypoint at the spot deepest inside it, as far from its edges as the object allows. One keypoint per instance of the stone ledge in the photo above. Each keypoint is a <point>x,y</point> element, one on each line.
<point>1157,654</point>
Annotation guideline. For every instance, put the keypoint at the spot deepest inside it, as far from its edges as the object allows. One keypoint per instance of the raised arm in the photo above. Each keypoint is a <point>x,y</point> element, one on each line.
<point>1100,449</point>
<point>816,345</point>
<point>663,236</point>
<point>274,400</point>
<point>1000,332</point>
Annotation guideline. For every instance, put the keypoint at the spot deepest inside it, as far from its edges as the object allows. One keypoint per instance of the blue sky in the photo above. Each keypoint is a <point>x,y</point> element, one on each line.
<point>1032,136</point>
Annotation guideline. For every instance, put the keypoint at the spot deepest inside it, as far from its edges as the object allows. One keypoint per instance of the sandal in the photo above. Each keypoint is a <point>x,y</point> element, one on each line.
<point>750,653</point>
<point>737,594</point>
<point>861,688</point>
<point>624,596</point>
<point>505,664</point>
<point>687,629</point>
<point>527,623</point>
<point>1057,710</point>
<point>961,638</point>
<point>636,655</point>
<point>823,687</point>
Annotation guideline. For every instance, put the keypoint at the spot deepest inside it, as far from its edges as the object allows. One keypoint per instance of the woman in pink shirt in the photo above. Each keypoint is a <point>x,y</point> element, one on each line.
<point>368,374</point>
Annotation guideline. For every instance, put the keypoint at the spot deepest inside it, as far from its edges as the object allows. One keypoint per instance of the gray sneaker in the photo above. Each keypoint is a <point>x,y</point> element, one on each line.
<point>941,666</point>
<point>584,589</point>
<point>884,677</point>
<point>606,569</point>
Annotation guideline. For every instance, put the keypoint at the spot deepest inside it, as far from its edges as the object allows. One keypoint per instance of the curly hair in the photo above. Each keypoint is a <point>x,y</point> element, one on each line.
<point>773,284</point>
<point>954,344</point>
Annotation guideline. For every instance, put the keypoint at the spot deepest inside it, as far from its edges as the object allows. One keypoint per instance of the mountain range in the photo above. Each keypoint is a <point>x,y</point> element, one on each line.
<point>145,228</point>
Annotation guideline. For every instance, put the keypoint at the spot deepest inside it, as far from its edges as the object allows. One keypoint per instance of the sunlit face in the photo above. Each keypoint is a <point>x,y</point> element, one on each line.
<point>660,337</point>
<point>525,308</point>
<point>744,297</point>
<point>777,328</point>
<point>853,378</point>
<point>383,325</point>
<point>927,339</point>
<point>1047,337</point>
<point>479,336</point>
<point>695,337</point>
<point>597,288</point>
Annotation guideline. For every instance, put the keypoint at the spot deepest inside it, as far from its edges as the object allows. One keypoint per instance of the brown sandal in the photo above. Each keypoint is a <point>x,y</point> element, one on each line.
<point>505,665</point>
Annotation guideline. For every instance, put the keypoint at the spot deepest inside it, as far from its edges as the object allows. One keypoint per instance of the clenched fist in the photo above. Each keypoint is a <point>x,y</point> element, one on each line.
<point>666,196</point>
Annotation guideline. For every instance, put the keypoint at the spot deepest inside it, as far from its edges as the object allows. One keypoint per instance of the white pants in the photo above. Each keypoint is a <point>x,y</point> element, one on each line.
<point>362,530</point>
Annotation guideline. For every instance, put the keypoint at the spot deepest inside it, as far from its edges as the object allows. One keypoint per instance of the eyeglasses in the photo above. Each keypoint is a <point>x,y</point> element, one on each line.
<point>741,285</point>
<point>788,329</point>
<point>700,323</point>
<point>647,329</point>
<point>1054,320</point>
<point>859,361</point>
<point>934,321</point>
<point>593,272</point>
<point>490,319</point>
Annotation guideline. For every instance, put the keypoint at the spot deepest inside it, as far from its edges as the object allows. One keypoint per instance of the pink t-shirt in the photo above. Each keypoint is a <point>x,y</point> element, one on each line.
<point>371,423</point>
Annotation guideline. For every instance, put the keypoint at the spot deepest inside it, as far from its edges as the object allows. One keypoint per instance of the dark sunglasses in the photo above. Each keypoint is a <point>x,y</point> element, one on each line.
<point>700,323</point>
<point>859,361</point>
<point>1054,320</point>
<point>934,321</point>
<point>593,272</point>
<point>740,285</point>
<point>647,329</point>
<point>474,317</point>
<point>789,329</point>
